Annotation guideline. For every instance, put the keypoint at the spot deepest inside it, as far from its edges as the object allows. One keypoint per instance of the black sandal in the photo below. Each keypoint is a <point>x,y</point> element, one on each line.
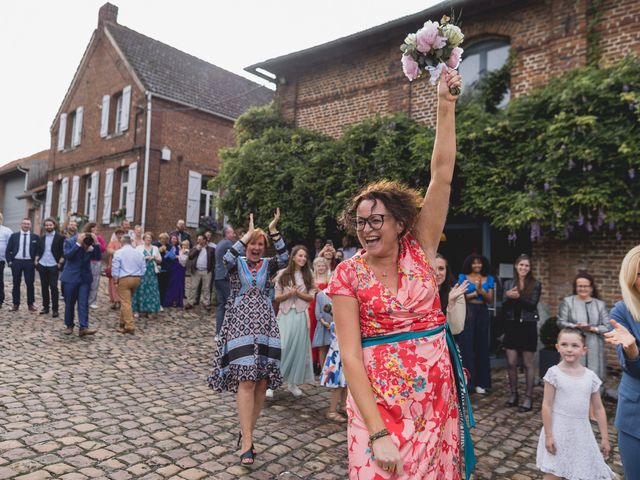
<point>247,458</point>
<point>527,404</point>
<point>513,400</point>
<point>253,449</point>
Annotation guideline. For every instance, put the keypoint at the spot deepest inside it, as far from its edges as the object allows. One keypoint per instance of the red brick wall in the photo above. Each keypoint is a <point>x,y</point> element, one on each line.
<point>557,262</point>
<point>193,136</point>
<point>549,38</point>
<point>619,29</point>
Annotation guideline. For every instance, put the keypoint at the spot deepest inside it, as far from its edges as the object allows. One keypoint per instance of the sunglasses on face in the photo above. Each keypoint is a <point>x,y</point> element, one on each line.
<point>375,221</point>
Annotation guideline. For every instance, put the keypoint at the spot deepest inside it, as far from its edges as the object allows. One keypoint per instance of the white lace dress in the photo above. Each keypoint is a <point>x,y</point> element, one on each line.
<point>578,455</point>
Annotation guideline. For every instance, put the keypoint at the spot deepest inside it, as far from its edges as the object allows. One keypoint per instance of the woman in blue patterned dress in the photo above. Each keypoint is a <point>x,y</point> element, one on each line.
<point>332,375</point>
<point>247,357</point>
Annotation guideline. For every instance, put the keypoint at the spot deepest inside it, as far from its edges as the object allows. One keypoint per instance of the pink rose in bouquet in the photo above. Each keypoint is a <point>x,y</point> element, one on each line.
<point>410,67</point>
<point>436,46</point>
<point>428,38</point>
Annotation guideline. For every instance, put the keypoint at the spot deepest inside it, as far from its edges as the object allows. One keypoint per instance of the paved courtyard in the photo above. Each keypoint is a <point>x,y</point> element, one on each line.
<point>127,407</point>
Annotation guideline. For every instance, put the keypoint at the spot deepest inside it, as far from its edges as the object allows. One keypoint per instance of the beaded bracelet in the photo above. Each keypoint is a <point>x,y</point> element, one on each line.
<point>375,436</point>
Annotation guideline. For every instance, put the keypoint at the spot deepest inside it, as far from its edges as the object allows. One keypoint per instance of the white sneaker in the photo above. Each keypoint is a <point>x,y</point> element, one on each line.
<point>480,390</point>
<point>93,306</point>
<point>269,393</point>
<point>295,390</point>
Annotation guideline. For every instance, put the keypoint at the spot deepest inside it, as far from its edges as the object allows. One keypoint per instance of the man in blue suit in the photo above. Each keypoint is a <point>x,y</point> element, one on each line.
<point>76,280</point>
<point>21,255</point>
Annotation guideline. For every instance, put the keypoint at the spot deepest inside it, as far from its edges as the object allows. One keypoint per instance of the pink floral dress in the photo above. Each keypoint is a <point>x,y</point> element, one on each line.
<point>412,380</point>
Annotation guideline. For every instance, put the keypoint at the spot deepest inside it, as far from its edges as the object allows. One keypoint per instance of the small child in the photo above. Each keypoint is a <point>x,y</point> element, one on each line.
<point>567,447</point>
<point>331,375</point>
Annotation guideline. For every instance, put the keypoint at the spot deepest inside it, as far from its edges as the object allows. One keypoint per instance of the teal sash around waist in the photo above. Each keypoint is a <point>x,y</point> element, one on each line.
<point>466,414</point>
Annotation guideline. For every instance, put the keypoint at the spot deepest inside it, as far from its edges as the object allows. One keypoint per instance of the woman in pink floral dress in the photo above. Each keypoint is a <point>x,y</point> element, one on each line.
<point>407,399</point>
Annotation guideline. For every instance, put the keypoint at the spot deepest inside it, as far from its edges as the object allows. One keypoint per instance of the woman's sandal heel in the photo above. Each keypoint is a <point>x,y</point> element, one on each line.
<point>247,458</point>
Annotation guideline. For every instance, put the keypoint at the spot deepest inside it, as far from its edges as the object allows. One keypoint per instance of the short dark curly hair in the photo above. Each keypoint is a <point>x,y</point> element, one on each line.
<point>403,202</point>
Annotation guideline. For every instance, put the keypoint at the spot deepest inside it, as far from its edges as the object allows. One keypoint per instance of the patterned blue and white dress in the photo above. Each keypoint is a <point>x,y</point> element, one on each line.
<point>332,375</point>
<point>249,346</point>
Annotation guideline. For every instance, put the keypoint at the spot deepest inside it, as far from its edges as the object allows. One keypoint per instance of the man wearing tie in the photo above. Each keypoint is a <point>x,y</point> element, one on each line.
<point>76,280</point>
<point>5,234</point>
<point>21,254</point>
<point>49,263</point>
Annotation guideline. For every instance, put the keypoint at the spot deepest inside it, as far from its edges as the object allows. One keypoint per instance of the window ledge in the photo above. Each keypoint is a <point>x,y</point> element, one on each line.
<point>114,135</point>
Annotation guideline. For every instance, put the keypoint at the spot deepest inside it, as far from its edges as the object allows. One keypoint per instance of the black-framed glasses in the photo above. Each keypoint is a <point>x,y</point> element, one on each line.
<point>375,221</point>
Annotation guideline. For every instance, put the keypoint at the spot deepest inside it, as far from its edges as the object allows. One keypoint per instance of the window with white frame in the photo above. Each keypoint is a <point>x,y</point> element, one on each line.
<point>207,199</point>
<point>70,129</point>
<point>115,113</point>
<point>124,185</point>
<point>87,194</point>
<point>484,57</point>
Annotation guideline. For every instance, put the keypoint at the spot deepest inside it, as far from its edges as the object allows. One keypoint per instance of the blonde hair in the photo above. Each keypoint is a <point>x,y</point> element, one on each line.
<point>317,261</point>
<point>257,233</point>
<point>185,242</point>
<point>628,277</point>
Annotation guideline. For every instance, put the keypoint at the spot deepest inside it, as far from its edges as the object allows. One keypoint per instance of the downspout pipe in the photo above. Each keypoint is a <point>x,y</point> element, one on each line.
<point>147,152</point>
<point>26,175</point>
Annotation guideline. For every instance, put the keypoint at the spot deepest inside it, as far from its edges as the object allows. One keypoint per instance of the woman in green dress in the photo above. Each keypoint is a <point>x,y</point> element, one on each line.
<point>147,297</point>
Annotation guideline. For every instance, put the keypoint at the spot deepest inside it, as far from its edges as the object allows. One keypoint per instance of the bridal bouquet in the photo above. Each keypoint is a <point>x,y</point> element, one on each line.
<point>434,47</point>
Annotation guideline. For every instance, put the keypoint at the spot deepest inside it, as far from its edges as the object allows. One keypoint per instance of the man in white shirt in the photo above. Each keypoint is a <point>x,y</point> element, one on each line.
<point>20,255</point>
<point>5,233</point>
<point>202,258</point>
<point>127,268</point>
<point>49,261</point>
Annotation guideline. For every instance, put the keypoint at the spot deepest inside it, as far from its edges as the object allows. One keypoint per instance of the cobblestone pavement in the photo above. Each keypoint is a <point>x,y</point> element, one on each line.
<point>121,407</point>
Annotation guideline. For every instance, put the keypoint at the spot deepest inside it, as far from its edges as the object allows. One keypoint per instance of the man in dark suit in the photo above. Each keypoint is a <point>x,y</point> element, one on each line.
<point>181,233</point>
<point>76,279</point>
<point>21,254</point>
<point>49,262</point>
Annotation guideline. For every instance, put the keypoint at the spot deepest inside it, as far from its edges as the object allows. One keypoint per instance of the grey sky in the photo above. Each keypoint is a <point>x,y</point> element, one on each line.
<point>42,42</point>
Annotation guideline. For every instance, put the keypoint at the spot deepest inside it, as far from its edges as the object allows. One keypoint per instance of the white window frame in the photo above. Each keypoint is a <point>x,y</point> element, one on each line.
<point>87,194</point>
<point>124,185</point>
<point>118,127</point>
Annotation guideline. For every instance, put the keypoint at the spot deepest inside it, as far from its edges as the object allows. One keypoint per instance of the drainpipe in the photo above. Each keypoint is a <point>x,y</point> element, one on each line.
<point>147,151</point>
<point>26,175</point>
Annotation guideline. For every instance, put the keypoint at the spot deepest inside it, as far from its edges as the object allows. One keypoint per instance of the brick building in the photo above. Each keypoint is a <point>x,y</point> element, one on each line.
<point>352,78</point>
<point>140,129</point>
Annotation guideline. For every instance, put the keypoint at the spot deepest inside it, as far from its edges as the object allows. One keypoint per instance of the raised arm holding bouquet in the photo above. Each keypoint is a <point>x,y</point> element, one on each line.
<point>436,46</point>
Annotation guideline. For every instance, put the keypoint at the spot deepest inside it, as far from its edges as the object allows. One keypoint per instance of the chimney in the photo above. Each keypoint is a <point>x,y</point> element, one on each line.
<point>108,13</point>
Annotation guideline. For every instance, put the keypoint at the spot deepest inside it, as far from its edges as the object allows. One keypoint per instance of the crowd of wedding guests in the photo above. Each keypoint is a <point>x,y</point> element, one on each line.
<point>146,274</point>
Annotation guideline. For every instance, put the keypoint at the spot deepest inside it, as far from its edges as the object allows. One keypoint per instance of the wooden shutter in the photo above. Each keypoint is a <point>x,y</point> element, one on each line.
<point>104,125</point>
<point>131,191</point>
<point>108,194</point>
<point>62,131</point>
<point>47,202</point>
<point>77,127</point>
<point>62,203</point>
<point>75,189</point>
<point>126,106</point>
<point>193,199</point>
<point>93,196</point>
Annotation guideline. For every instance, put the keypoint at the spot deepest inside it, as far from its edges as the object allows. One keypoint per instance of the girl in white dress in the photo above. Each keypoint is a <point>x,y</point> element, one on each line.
<point>567,447</point>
